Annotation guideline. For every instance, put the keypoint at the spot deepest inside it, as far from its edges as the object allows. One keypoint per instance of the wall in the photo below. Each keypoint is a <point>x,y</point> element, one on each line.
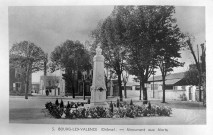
<point>13,79</point>
<point>188,93</point>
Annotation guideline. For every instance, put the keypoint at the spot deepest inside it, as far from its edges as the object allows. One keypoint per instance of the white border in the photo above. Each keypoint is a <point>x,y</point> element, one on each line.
<point>20,129</point>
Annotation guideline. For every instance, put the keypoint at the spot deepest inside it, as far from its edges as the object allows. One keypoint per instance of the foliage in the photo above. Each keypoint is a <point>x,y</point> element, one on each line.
<point>72,57</point>
<point>54,110</point>
<point>183,97</point>
<point>126,110</point>
<point>140,38</point>
<point>191,76</point>
<point>110,34</point>
<point>131,103</point>
<point>62,104</point>
<point>56,102</point>
<point>200,66</point>
<point>29,58</point>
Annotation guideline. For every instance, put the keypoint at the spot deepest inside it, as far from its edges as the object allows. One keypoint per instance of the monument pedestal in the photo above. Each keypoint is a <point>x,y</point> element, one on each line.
<point>98,98</point>
<point>98,88</point>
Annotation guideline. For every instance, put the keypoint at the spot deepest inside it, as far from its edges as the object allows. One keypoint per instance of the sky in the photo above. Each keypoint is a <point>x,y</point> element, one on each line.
<point>48,27</point>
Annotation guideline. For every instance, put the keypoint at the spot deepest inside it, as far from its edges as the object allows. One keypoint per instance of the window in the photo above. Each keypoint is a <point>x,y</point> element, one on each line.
<point>183,87</point>
<point>169,87</point>
<point>137,87</point>
<point>17,73</point>
<point>18,85</point>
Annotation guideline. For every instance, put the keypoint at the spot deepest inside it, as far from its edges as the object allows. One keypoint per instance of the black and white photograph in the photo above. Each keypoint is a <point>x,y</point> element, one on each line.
<point>107,69</point>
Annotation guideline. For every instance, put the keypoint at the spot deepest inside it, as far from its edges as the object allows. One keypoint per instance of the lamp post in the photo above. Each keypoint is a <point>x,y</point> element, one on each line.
<point>153,82</point>
<point>83,80</point>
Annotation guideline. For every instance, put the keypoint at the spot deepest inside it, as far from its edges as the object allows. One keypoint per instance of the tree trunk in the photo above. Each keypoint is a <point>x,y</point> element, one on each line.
<point>125,94</point>
<point>119,86</point>
<point>145,99</point>
<point>73,86</point>
<point>204,92</point>
<point>27,83</point>
<point>199,87</point>
<point>163,87</point>
<point>140,89</point>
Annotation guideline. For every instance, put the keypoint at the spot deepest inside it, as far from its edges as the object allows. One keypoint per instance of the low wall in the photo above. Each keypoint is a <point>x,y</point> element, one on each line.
<point>169,94</point>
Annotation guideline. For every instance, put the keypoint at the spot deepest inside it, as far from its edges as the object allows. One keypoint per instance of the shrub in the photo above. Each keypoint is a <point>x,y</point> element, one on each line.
<point>163,110</point>
<point>117,103</point>
<point>123,110</point>
<point>93,113</point>
<point>68,105</point>
<point>131,103</point>
<point>68,114</point>
<point>62,104</point>
<point>56,102</point>
<point>183,97</point>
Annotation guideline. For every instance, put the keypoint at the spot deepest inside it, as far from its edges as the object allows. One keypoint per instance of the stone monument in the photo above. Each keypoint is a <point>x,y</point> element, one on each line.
<point>98,88</point>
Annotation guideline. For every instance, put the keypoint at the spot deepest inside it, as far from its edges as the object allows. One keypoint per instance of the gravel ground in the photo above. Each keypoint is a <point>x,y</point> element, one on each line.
<point>33,111</point>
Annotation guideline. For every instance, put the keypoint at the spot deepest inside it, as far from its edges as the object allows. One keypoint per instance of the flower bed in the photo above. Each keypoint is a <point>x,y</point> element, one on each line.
<point>116,110</point>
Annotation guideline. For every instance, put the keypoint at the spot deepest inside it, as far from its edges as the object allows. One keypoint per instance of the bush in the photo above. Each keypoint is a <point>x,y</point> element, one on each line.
<point>62,104</point>
<point>56,102</point>
<point>123,110</point>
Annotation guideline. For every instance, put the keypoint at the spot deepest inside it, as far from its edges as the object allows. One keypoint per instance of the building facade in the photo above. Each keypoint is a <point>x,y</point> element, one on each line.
<point>17,82</point>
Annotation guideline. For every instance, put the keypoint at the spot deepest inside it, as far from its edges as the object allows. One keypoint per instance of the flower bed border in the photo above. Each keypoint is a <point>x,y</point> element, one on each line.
<point>115,110</point>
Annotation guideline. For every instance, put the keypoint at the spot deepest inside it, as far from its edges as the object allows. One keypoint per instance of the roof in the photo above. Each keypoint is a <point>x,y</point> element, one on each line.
<point>168,77</point>
<point>172,81</point>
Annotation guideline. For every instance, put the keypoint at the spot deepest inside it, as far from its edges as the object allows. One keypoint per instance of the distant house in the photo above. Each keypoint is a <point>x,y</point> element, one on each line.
<point>172,81</point>
<point>17,82</point>
<point>176,87</point>
<point>35,87</point>
<point>54,85</point>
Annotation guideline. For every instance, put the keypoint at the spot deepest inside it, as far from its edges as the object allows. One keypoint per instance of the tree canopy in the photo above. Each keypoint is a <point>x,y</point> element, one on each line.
<point>29,57</point>
<point>72,57</point>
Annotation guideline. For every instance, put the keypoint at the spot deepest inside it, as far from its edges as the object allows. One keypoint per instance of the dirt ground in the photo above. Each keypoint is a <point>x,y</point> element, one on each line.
<point>33,111</point>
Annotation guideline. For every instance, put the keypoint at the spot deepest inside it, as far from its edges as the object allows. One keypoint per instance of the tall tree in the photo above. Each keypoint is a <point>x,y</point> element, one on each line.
<point>191,76</point>
<point>73,58</point>
<point>169,39</point>
<point>200,67</point>
<point>29,57</point>
<point>110,34</point>
<point>152,39</point>
<point>203,68</point>
<point>139,44</point>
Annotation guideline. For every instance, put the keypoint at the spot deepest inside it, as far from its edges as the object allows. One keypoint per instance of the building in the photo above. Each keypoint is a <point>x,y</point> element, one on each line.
<point>35,87</point>
<point>52,85</point>
<point>17,82</point>
<point>176,88</point>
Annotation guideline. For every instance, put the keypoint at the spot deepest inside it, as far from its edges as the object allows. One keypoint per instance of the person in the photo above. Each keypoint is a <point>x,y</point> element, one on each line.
<point>47,92</point>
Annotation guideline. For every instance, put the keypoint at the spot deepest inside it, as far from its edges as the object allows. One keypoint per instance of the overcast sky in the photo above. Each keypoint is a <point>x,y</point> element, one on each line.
<point>48,27</point>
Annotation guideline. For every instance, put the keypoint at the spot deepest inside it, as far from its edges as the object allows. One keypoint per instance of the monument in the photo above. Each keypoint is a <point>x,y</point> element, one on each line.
<point>98,88</point>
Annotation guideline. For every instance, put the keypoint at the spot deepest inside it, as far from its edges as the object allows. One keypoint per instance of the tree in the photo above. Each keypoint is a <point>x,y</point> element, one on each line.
<point>139,45</point>
<point>29,57</point>
<point>153,39</point>
<point>73,58</point>
<point>110,34</point>
<point>191,76</point>
<point>203,69</point>
<point>200,67</point>
<point>170,42</point>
